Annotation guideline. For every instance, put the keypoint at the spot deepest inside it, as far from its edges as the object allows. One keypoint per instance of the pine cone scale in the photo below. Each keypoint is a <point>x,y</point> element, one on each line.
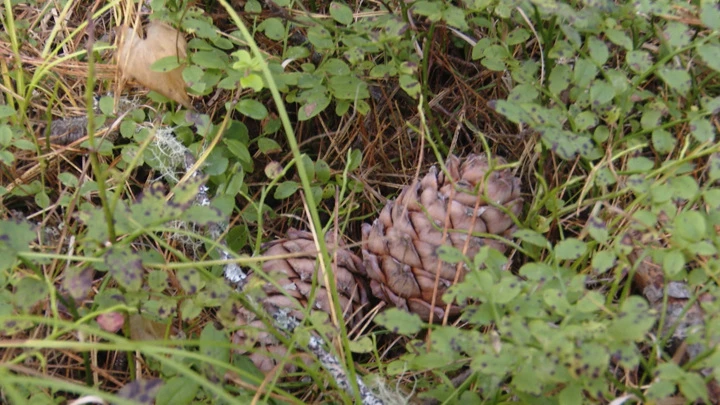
<point>294,277</point>
<point>400,247</point>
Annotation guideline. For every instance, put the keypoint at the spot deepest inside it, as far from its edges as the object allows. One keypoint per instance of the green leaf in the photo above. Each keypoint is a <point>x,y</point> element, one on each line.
<point>446,339</point>
<point>106,105</point>
<point>585,120</point>
<point>399,321</point>
<point>677,79</point>
<point>711,105</point>
<point>214,345</point>
<point>584,72</point>
<point>177,391</point>
<point>166,64</point>
<point>313,106</point>
<point>252,81</point>
<point>203,216</point>
<point>619,38</point>
<point>506,290</point>
<point>651,118</point>
<point>341,13</point>
<point>663,141</point>
<point>517,36</point>
<point>593,301</point>
<point>557,301</point>
<point>42,199</point>
<point>320,38</point>
<point>184,193</point>
<point>690,225</point>
<point>238,149</point>
<point>203,29</point>
<point>598,229</point>
<point>450,254</point>
<point>640,164</point>
<point>559,79</point>
<point>673,262</point>
<point>6,111</point>
<point>633,320</point>
<point>159,309</point>
<point>479,48</point>
<point>711,198</point>
<point>702,130</point>
<point>714,167</point>
<point>7,158</point>
<point>286,189</point>
<point>693,387</point>
<point>536,271</point>
<point>322,171</point>
<point>532,237</point>
<point>684,187</point>
<point>362,345</point>
<point>605,177</point>
<point>268,145</point>
<point>570,249</point>
<point>335,67</point>
<point>565,143</point>
<point>15,237</point>
<point>28,292</point>
<point>601,92</point>
<point>213,59</point>
<point>677,34</point>
<point>78,281</point>
<point>309,166</point>
<point>157,280</point>
<point>710,15</point>
<point>523,93</point>
<point>639,61</point>
<point>5,135</point>
<point>273,28</point>
<point>455,17</point>
<point>125,266</point>
<point>189,280</point>
<point>598,50</point>
<point>562,50</point>
<point>348,87</point>
<point>411,85</point>
<point>217,164</point>
<point>354,159</point>
<point>571,395</point>
<point>252,108</point>
<point>430,9</point>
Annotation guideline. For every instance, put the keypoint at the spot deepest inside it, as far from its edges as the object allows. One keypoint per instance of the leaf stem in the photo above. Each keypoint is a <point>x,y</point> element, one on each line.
<point>93,152</point>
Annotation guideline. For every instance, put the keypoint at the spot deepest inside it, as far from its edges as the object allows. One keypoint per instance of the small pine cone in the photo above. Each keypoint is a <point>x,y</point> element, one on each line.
<point>399,248</point>
<point>294,275</point>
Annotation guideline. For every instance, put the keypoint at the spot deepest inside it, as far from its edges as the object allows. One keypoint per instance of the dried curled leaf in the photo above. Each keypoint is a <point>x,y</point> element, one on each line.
<point>135,57</point>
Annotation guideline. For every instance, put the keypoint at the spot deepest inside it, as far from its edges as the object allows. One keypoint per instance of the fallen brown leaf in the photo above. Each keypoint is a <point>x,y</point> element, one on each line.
<point>135,56</point>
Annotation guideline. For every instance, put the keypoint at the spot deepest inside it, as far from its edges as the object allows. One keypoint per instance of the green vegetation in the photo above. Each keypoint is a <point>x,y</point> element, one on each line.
<point>121,209</point>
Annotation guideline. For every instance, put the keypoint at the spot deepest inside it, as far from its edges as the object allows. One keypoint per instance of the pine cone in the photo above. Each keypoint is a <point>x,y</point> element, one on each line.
<point>399,248</point>
<point>295,275</point>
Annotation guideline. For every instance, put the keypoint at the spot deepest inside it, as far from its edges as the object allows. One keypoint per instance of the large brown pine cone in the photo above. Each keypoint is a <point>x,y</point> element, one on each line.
<point>294,274</point>
<point>399,248</point>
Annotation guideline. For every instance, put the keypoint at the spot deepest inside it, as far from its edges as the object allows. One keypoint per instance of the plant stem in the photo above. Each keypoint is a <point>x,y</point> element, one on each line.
<point>94,160</point>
